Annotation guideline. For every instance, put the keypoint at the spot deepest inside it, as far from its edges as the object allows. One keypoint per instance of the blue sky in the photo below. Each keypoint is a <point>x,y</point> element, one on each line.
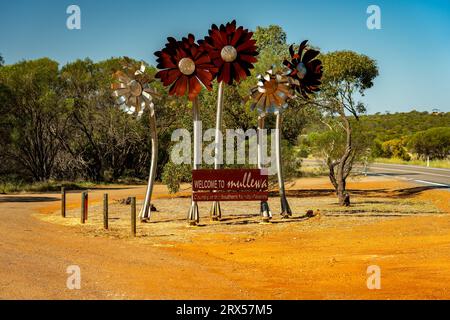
<point>412,48</point>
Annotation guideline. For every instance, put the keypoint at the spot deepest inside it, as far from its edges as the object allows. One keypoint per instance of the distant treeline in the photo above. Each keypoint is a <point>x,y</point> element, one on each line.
<point>398,125</point>
<point>409,135</point>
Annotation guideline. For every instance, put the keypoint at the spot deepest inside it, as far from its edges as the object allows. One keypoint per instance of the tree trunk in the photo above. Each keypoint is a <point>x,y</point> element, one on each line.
<point>216,212</point>
<point>285,208</point>
<point>146,209</point>
<point>341,176</point>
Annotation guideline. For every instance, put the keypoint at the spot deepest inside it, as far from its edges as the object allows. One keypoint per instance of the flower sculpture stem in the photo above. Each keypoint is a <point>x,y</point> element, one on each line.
<point>266,214</point>
<point>132,89</point>
<point>216,212</point>
<point>146,208</point>
<point>285,208</point>
<point>194,216</point>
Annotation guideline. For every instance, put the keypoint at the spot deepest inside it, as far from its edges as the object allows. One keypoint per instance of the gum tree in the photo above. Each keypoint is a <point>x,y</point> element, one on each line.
<point>347,75</point>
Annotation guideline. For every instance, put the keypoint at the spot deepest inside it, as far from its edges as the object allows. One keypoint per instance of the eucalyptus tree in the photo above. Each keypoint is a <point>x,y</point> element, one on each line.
<point>346,78</point>
<point>30,103</point>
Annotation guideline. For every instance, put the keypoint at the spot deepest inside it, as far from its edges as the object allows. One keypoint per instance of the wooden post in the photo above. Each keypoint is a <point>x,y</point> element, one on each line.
<point>63,202</point>
<point>105,211</point>
<point>83,207</point>
<point>133,217</point>
<point>86,206</point>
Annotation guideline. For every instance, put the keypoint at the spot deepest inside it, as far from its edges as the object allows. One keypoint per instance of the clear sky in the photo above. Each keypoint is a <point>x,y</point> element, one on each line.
<point>412,48</point>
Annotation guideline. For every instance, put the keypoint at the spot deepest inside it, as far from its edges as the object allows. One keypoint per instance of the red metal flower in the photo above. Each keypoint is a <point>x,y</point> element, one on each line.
<point>232,50</point>
<point>304,70</point>
<point>185,66</point>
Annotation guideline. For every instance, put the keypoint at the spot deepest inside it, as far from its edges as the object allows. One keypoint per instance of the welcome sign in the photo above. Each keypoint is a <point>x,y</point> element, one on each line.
<point>230,185</point>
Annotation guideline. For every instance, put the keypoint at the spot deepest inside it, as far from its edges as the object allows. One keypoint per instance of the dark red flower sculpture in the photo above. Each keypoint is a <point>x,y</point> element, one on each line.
<point>185,66</point>
<point>304,70</point>
<point>232,50</point>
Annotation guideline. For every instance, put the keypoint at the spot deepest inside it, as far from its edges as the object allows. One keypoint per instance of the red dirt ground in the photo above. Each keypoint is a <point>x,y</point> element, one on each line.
<point>313,259</point>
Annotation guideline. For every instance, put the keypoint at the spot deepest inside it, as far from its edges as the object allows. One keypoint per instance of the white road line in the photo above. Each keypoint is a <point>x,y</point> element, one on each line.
<point>432,183</point>
<point>409,171</point>
<point>411,166</point>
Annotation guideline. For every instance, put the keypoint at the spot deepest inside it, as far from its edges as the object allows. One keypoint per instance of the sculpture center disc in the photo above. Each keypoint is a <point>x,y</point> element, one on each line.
<point>135,88</point>
<point>186,66</point>
<point>228,53</point>
<point>301,68</point>
<point>271,86</point>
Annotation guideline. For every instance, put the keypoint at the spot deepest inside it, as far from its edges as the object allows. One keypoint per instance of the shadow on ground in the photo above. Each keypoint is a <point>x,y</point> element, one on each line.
<point>399,193</point>
<point>27,199</point>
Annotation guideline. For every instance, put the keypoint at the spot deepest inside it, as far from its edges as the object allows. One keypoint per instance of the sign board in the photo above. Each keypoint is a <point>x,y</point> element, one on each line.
<point>230,185</point>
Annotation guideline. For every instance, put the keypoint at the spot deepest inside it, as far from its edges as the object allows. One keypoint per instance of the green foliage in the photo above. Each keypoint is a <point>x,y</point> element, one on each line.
<point>331,144</point>
<point>402,127</point>
<point>348,68</point>
<point>2,61</point>
<point>444,164</point>
<point>8,187</point>
<point>433,143</point>
<point>347,75</point>
<point>398,125</point>
<point>272,47</point>
<point>29,112</point>
<point>173,175</point>
<point>395,149</point>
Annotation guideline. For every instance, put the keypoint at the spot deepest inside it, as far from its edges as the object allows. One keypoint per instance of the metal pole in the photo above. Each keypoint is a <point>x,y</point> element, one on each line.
<point>146,208</point>
<point>105,211</point>
<point>285,208</point>
<point>133,216</point>
<point>194,216</point>
<point>216,212</point>
<point>265,212</point>
<point>63,202</point>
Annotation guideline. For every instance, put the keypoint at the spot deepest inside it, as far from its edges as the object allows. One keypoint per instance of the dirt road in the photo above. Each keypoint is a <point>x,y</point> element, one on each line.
<point>299,260</point>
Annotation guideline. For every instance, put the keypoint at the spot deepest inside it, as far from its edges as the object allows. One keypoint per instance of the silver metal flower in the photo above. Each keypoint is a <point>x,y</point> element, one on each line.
<point>132,88</point>
<point>271,93</point>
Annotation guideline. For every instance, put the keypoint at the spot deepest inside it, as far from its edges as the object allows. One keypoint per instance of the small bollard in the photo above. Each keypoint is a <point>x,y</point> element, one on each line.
<point>105,211</point>
<point>133,217</point>
<point>63,202</point>
<point>84,207</point>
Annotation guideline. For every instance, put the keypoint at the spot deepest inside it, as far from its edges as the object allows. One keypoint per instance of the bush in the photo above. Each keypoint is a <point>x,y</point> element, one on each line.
<point>395,148</point>
<point>433,143</point>
<point>173,175</point>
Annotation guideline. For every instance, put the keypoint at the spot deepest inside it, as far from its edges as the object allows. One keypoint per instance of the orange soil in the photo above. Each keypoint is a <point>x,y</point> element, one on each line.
<point>315,259</point>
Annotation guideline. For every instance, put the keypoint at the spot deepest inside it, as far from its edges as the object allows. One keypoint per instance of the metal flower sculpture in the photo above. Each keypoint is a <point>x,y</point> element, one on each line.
<point>271,93</point>
<point>304,75</point>
<point>233,52</point>
<point>132,89</point>
<point>270,96</point>
<point>305,70</point>
<point>187,67</point>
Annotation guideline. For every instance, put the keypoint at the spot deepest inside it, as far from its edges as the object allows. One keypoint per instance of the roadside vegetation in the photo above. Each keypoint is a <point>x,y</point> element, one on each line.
<point>442,164</point>
<point>60,123</point>
<point>47,186</point>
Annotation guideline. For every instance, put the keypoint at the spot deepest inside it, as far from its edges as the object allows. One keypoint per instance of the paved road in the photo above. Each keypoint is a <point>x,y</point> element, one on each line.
<point>417,174</point>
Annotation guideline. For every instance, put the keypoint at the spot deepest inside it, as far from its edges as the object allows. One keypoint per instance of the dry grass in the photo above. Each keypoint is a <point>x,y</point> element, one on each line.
<point>443,164</point>
<point>168,225</point>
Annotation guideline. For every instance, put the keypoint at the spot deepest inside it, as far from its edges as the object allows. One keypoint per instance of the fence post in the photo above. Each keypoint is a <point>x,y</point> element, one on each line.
<point>105,211</point>
<point>86,206</point>
<point>133,217</point>
<point>83,207</point>
<point>63,202</point>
